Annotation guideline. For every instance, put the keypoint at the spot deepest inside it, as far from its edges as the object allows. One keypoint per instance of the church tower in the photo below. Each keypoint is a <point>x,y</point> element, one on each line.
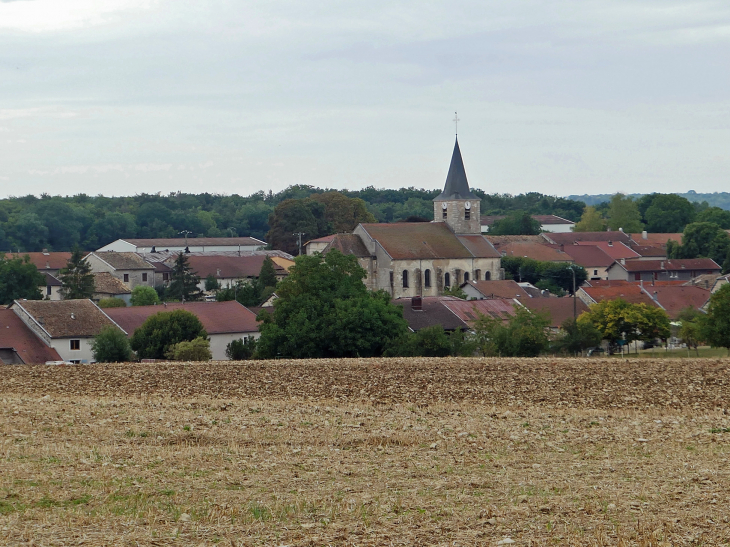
<point>457,206</point>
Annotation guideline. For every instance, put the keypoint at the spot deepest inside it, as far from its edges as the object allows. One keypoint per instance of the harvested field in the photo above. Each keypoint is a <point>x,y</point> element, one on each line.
<point>367,452</point>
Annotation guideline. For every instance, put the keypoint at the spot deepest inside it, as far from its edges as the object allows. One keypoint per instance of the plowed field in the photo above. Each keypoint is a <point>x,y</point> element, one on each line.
<point>367,452</point>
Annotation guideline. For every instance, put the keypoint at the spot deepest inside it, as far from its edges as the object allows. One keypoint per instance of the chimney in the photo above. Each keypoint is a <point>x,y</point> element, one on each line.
<point>417,303</point>
<point>654,296</point>
<point>644,235</point>
<point>623,262</point>
<point>661,265</point>
<point>610,243</point>
<point>218,272</point>
<point>621,230</point>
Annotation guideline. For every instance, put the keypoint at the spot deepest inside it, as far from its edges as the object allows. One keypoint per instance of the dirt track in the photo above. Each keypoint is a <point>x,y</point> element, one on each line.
<point>589,383</point>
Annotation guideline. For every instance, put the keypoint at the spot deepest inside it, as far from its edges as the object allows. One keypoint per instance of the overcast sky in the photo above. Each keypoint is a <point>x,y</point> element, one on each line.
<point>119,97</point>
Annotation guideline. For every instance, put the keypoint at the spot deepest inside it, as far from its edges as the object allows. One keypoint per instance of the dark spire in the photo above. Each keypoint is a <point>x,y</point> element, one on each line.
<point>456,187</point>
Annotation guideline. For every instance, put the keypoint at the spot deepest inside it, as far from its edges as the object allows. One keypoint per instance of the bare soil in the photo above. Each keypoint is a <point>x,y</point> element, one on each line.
<point>367,452</point>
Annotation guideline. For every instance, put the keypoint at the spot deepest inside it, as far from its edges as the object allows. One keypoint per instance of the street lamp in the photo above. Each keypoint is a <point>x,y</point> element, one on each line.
<point>186,232</point>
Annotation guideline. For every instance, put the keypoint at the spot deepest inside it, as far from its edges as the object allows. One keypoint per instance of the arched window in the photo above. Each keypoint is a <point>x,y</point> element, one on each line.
<point>447,280</point>
<point>427,278</point>
<point>466,277</point>
<point>487,275</point>
<point>405,279</point>
<point>477,275</point>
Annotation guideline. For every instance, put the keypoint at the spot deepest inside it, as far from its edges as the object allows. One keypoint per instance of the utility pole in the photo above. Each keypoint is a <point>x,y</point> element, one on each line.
<point>299,236</point>
<point>186,232</point>
<point>575,312</point>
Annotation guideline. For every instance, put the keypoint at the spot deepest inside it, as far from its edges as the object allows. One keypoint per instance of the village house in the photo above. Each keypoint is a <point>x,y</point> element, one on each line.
<point>682,269</point>
<point>317,245</point>
<point>51,288</point>
<point>452,313</point>
<point>46,262</point>
<point>191,244</point>
<point>482,290</point>
<point>108,286</point>
<point>594,259</point>
<point>230,268</point>
<point>535,251</point>
<point>128,267</point>
<point>424,258</point>
<point>67,326</point>
<point>223,321</point>
<point>556,310</point>
<point>19,345</point>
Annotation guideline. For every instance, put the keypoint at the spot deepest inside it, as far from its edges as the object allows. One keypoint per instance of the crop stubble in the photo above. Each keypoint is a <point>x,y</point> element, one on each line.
<point>367,452</point>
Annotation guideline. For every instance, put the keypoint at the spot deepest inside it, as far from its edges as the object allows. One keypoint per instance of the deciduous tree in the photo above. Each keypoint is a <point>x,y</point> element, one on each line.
<point>590,221</point>
<point>623,213</point>
<point>111,346</point>
<point>154,337</point>
<point>716,324</point>
<point>19,278</point>
<point>143,295</point>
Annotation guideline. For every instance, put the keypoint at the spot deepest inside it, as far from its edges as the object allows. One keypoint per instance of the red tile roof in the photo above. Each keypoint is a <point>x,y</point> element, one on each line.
<point>614,249</point>
<point>571,237</point>
<point>470,310</point>
<point>589,256</point>
<point>675,298</point>
<point>433,312</point>
<point>649,251</point>
<point>14,334</point>
<point>66,318</point>
<point>556,309</point>
<point>414,240</point>
<point>656,240</point>
<point>325,239</point>
<point>195,241</point>
<point>551,219</point>
<point>106,283</point>
<point>52,281</point>
<point>347,244</point>
<point>629,293</point>
<point>506,288</point>
<point>536,251</point>
<point>699,265</point>
<point>229,267</point>
<point>46,261</point>
<point>216,317</point>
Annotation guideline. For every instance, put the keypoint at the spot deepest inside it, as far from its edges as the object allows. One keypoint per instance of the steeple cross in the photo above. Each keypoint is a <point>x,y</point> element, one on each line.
<point>456,123</point>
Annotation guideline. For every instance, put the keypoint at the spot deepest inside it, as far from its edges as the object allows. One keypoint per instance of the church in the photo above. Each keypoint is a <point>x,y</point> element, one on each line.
<point>424,258</point>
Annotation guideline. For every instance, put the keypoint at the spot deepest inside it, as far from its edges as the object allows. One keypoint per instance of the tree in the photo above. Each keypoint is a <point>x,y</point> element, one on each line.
<point>522,335</point>
<point>183,281</point>
<point>516,223</point>
<point>112,303</point>
<point>553,276</point>
<point>577,337</point>
<point>111,346</point>
<point>455,291</point>
<point>19,278</point>
<point>76,277</point>
<point>623,213</point>
<point>715,326</point>
<point>718,216</point>
<point>193,350</point>
<point>702,239</point>
<point>427,342</point>
<point>325,310</point>
<point>620,321</point>
<point>143,295</point>
<point>343,213</point>
<point>154,337</point>
<point>293,216</point>
<point>241,349</point>
<point>668,213</point>
<point>690,330</point>
<point>590,221</point>
<point>267,275</point>
<point>211,283</point>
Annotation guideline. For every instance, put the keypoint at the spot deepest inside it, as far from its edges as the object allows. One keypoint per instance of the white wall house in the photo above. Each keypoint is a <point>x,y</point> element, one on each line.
<point>68,326</point>
<point>191,244</point>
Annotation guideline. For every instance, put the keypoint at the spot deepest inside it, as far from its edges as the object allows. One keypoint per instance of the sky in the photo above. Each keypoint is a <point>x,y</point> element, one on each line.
<point>123,97</point>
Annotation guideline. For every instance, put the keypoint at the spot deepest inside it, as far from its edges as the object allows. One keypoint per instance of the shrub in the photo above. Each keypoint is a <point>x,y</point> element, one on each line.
<point>165,329</point>
<point>112,303</point>
<point>194,350</point>
<point>144,296</point>
<point>241,350</point>
<point>111,346</point>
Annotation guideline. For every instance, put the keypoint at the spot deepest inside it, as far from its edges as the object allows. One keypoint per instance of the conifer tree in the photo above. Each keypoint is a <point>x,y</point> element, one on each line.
<point>183,281</point>
<point>76,277</point>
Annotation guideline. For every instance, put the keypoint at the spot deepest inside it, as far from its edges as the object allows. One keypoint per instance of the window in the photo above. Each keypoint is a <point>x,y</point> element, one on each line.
<point>467,214</point>
<point>447,280</point>
<point>144,276</point>
<point>75,344</point>
<point>595,272</point>
<point>444,215</point>
<point>466,277</point>
<point>126,278</point>
<point>477,275</point>
<point>637,277</point>
<point>48,290</point>
<point>405,279</point>
<point>487,275</point>
<point>166,276</point>
<point>427,278</point>
<point>391,279</point>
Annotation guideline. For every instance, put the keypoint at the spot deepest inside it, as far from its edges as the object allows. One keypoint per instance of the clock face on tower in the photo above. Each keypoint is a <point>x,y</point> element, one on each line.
<point>444,206</point>
<point>467,205</point>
